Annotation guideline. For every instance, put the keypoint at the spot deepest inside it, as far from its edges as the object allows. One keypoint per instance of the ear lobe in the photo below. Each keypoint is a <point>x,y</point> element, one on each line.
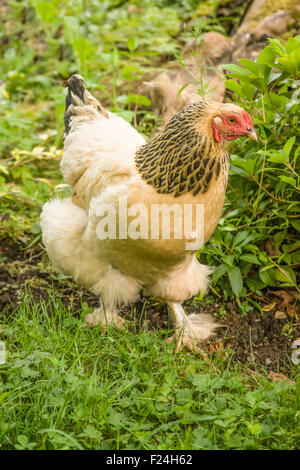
<point>215,125</point>
<point>217,120</point>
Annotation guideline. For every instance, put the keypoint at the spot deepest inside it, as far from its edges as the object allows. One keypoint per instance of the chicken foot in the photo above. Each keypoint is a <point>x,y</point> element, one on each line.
<point>190,330</point>
<point>103,316</point>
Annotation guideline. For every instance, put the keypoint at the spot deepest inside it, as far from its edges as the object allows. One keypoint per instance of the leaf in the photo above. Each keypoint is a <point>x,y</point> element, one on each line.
<point>287,296</point>
<point>219,272</point>
<point>250,65</point>
<point>199,439</point>
<point>234,86</point>
<point>228,259</point>
<point>253,428</point>
<point>71,27</point>
<point>183,88</point>
<point>204,382</point>
<point>139,99</point>
<point>271,248</point>
<point>46,10</point>
<point>254,284</point>
<point>23,440</point>
<point>131,44</point>
<point>247,165</point>
<point>250,258</point>
<point>277,46</point>
<point>295,224</point>
<point>288,180</point>
<point>28,372</point>
<point>267,56</point>
<point>292,44</point>
<point>126,114</point>
<point>83,49</point>
<point>267,275</point>
<point>35,228</point>
<point>269,307</point>
<point>4,170</point>
<point>236,70</point>
<point>236,280</point>
<point>240,237</point>
<point>288,146</point>
<point>277,157</point>
<point>285,274</point>
<point>91,432</point>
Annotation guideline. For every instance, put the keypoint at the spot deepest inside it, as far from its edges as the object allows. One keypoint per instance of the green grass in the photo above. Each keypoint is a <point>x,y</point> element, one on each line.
<point>65,387</point>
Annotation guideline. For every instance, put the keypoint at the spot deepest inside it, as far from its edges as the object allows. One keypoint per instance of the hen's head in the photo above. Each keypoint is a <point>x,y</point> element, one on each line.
<point>188,154</point>
<point>228,122</point>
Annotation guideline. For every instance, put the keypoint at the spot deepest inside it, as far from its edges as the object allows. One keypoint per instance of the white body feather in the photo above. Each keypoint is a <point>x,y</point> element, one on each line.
<point>99,159</point>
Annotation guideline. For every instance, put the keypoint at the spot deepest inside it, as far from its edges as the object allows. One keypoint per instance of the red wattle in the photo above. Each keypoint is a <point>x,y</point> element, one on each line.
<point>217,136</point>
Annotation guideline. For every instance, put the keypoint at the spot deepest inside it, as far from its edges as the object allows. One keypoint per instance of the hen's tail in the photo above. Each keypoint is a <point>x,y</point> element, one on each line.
<point>80,102</point>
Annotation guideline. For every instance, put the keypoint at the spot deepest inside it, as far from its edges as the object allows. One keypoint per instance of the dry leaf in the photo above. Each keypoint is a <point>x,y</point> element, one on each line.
<point>218,346</point>
<point>271,248</point>
<point>292,312</point>
<point>215,346</point>
<point>287,297</point>
<point>278,376</point>
<point>279,315</point>
<point>269,307</point>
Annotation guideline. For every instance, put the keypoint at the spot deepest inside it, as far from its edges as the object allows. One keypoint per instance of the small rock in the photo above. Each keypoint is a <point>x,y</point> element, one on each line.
<point>215,47</point>
<point>170,91</point>
<point>274,25</point>
<point>279,315</point>
<point>257,11</point>
<point>250,37</point>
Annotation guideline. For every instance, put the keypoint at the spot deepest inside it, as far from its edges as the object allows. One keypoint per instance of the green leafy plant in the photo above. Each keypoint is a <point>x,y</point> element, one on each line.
<point>257,242</point>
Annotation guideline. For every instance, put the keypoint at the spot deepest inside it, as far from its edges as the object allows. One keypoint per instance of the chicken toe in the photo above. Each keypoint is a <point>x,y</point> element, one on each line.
<point>103,317</point>
<point>190,330</point>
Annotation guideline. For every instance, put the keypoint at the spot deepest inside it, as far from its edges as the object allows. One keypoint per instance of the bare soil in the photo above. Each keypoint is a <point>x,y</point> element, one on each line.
<point>258,338</point>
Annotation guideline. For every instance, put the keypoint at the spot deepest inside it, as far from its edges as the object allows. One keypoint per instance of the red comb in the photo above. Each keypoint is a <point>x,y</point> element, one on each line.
<point>247,119</point>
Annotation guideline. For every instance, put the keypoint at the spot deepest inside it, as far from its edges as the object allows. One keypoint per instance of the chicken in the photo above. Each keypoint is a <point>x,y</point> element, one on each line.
<point>110,235</point>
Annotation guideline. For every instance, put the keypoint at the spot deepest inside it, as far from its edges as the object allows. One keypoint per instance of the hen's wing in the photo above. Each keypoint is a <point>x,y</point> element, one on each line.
<point>99,146</point>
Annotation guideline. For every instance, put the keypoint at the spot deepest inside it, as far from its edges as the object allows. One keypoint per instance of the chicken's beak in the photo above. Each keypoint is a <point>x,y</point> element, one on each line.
<point>252,134</point>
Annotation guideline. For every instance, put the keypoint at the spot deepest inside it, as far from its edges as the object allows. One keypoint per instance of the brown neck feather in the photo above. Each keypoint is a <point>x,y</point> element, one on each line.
<point>180,159</point>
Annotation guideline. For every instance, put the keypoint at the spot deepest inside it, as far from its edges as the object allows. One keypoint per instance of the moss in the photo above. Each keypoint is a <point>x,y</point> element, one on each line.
<point>269,8</point>
<point>206,8</point>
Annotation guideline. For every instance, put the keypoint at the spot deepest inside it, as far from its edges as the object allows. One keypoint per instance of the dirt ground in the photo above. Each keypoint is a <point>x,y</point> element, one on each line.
<point>256,338</point>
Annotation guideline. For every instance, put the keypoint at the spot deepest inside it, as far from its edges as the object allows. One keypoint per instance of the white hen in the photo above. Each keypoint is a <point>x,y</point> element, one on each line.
<point>106,161</point>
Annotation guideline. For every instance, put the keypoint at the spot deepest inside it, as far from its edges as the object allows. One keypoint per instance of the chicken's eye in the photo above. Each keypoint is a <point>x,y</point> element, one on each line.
<point>231,120</point>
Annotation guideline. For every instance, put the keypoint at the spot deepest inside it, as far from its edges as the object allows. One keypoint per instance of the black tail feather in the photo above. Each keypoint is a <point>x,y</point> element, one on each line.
<point>75,87</point>
<point>78,96</point>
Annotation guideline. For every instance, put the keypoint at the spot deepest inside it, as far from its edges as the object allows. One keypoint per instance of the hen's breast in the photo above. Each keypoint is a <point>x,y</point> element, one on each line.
<point>158,230</point>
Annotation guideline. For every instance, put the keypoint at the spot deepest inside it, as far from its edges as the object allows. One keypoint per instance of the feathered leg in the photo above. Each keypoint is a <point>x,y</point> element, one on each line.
<point>189,330</point>
<point>103,316</point>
